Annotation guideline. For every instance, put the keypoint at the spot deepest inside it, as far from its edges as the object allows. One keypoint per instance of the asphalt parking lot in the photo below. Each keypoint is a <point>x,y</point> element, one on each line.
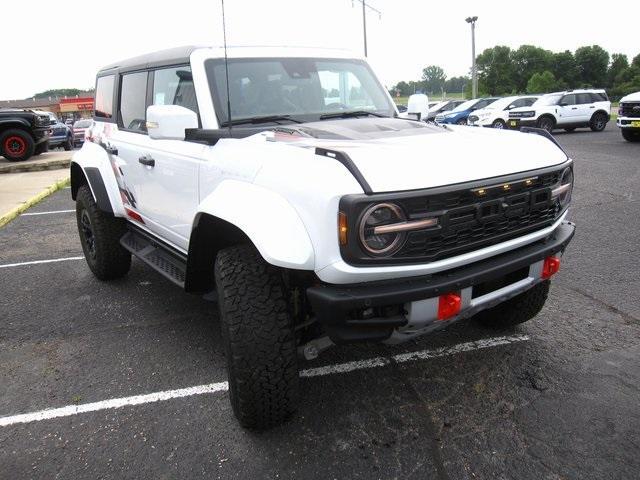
<point>556,398</point>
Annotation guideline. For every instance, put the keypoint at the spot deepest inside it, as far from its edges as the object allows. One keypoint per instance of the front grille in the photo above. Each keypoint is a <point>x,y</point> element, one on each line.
<point>630,109</point>
<point>467,221</point>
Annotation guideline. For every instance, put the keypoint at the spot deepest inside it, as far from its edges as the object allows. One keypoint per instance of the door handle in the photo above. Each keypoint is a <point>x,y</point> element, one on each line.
<point>574,108</point>
<point>592,106</point>
<point>147,160</point>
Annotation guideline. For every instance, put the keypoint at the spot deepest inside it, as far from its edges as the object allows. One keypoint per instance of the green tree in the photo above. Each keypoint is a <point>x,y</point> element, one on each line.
<point>542,82</point>
<point>456,84</point>
<point>619,64</point>
<point>565,69</point>
<point>592,62</point>
<point>403,88</point>
<point>529,59</point>
<point>61,92</point>
<point>496,70</point>
<point>433,79</point>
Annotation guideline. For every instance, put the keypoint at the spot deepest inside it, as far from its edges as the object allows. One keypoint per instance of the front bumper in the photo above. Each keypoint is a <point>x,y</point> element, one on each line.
<point>516,123</point>
<point>628,122</point>
<point>334,304</point>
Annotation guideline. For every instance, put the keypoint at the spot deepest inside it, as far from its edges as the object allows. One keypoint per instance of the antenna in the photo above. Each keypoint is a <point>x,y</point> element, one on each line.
<point>226,68</point>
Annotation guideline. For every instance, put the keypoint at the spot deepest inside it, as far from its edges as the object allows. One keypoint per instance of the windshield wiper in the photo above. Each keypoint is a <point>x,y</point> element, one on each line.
<point>351,113</point>
<point>257,120</point>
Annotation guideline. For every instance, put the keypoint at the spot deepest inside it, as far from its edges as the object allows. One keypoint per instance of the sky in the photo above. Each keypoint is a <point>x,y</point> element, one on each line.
<point>46,45</point>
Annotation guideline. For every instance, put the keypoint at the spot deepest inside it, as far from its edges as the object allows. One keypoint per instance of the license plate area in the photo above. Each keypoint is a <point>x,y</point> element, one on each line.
<point>497,283</point>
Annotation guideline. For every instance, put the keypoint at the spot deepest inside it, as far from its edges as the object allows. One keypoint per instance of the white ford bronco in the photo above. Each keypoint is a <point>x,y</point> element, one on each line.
<point>284,181</point>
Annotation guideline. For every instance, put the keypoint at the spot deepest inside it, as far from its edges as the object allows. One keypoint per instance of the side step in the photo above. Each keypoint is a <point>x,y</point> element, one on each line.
<point>161,258</point>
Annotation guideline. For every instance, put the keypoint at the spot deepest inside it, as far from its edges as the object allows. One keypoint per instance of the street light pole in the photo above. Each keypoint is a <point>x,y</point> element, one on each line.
<point>364,25</point>
<point>474,73</point>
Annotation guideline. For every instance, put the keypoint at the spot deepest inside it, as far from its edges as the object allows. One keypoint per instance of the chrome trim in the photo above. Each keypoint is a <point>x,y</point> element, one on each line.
<point>556,192</point>
<point>405,226</point>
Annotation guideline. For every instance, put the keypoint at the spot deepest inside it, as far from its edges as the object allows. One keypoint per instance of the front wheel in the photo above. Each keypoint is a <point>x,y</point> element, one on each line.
<point>100,235</point>
<point>546,123</point>
<point>16,145</point>
<point>516,310</point>
<point>631,134</point>
<point>499,124</point>
<point>462,121</point>
<point>598,122</point>
<point>259,338</point>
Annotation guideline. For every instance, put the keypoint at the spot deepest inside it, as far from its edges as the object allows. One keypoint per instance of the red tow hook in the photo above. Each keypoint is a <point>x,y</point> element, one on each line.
<point>550,267</point>
<point>449,305</point>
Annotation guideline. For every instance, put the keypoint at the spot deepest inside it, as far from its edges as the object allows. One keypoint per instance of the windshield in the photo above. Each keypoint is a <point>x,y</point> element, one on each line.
<point>465,106</point>
<point>300,88</point>
<point>548,99</point>
<point>501,103</point>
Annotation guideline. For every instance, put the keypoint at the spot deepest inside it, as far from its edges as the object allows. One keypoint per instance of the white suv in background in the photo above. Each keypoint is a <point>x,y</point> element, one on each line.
<point>496,114</point>
<point>629,117</point>
<point>569,110</point>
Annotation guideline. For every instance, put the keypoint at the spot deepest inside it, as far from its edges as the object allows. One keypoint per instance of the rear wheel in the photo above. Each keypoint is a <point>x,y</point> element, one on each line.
<point>16,145</point>
<point>598,122</point>
<point>499,124</point>
<point>631,134</point>
<point>100,235</point>
<point>517,310</point>
<point>546,123</point>
<point>259,338</point>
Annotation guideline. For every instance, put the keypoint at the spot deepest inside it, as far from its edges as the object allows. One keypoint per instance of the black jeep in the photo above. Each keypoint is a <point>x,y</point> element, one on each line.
<point>23,133</point>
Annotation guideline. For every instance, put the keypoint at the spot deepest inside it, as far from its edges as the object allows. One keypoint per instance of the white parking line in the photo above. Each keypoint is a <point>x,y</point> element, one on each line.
<point>36,262</point>
<point>46,213</point>
<point>224,386</point>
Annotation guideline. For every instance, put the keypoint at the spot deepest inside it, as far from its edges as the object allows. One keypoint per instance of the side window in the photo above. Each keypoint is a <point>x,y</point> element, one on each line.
<point>599,97</point>
<point>174,86</point>
<point>568,99</point>
<point>527,102</point>
<point>133,100</point>
<point>584,98</point>
<point>104,97</point>
<point>516,103</point>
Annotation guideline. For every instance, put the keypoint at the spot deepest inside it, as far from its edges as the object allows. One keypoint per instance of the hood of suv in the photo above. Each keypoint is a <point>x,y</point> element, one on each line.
<point>632,97</point>
<point>395,155</point>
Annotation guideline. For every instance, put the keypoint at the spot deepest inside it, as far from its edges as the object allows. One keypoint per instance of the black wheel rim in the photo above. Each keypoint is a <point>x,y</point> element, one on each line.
<point>600,123</point>
<point>87,234</point>
<point>498,125</point>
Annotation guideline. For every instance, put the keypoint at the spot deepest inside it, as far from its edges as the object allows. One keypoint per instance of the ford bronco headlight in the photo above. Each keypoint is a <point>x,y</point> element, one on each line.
<point>375,238</point>
<point>562,192</point>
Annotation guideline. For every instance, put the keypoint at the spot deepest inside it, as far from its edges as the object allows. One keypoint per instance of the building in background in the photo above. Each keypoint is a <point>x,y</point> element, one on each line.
<point>63,107</point>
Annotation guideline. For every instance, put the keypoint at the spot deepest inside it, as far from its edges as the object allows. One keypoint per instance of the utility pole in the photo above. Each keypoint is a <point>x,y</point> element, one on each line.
<point>474,74</point>
<point>364,25</point>
<point>364,19</point>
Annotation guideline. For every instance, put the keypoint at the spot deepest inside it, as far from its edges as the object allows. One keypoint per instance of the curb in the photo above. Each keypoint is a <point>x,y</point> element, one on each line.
<point>7,217</point>
<point>35,167</point>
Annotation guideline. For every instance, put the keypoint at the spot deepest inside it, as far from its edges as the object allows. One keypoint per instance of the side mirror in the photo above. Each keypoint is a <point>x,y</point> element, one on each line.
<point>418,105</point>
<point>563,104</point>
<point>168,122</point>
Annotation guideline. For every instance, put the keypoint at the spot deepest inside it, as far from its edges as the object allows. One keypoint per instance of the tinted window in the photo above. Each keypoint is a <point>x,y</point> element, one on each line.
<point>104,97</point>
<point>584,98</point>
<point>569,99</point>
<point>516,103</point>
<point>599,97</point>
<point>527,102</point>
<point>133,101</point>
<point>174,86</point>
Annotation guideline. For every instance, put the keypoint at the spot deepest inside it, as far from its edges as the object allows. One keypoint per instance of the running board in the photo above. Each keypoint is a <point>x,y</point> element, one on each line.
<point>170,265</point>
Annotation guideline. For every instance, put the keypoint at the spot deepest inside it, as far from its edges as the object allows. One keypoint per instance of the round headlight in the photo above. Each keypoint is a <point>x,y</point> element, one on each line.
<point>377,243</point>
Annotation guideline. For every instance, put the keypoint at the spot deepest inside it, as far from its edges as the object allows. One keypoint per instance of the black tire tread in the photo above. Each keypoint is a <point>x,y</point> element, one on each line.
<point>112,260</point>
<point>516,310</point>
<point>592,122</point>
<point>631,135</point>
<point>259,338</point>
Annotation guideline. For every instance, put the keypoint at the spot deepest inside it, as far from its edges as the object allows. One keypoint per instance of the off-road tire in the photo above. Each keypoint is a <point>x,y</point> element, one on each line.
<point>259,338</point>
<point>598,122</point>
<point>107,259</point>
<point>20,140</point>
<point>631,135</point>
<point>517,310</point>
<point>499,124</point>
<point>546,123</point>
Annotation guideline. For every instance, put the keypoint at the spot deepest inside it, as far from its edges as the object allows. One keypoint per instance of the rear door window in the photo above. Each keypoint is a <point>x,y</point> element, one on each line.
<point>584,98</point>
<point>568,99</point>
<point>104,96</point>
<point>133,102</point>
